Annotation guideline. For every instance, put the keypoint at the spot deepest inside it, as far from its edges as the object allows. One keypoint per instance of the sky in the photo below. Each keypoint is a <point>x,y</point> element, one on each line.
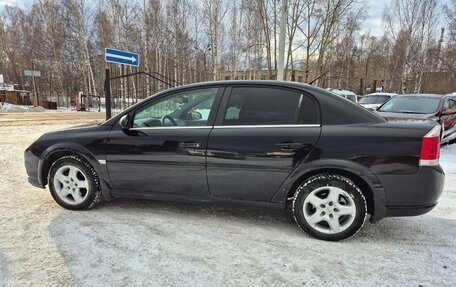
<point>372,24</point>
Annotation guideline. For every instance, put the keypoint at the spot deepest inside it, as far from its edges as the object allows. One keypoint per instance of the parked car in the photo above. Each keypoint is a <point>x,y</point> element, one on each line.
<point>349,95</point>
<point>264,143</point>
<point>375,100</point>
<point>423,107</point>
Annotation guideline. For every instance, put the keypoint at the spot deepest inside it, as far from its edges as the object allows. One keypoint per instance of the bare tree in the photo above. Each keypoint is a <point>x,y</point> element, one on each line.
<point>412,25</point>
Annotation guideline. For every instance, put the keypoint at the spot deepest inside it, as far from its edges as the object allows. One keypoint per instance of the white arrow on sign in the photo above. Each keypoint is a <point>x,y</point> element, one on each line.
<point>132,59</point>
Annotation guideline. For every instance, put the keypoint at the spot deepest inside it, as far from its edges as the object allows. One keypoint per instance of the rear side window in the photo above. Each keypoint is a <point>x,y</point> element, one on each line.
<point>269,106</point>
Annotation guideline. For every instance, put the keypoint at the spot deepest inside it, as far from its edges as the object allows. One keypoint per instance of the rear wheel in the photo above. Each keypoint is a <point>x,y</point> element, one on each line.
<point>329,207</point>
<point>74,183</point>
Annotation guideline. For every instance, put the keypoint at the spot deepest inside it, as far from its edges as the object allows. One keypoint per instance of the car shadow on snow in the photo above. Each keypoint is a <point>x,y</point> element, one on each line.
<point>153,239</point>
<point>4,273</point>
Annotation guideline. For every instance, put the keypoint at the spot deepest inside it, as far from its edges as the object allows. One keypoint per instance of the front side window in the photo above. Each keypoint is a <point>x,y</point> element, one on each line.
<point>189,108</point>
<point>269,106</point>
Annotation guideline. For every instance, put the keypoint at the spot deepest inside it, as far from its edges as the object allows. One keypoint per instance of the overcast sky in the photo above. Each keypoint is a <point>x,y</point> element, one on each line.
<point>372,24</point>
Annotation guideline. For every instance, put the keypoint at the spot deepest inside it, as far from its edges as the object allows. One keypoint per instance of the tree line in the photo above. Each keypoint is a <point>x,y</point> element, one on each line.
<point>191,41</point>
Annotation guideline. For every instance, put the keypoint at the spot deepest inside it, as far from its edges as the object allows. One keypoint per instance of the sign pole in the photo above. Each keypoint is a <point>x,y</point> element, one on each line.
<point>108,94</point>
<point>37,101</point>
<point>283,25</point>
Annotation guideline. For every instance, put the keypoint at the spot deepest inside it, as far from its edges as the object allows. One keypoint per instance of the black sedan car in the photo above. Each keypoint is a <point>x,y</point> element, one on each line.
<point>264,143</point>
<point>424,107</point>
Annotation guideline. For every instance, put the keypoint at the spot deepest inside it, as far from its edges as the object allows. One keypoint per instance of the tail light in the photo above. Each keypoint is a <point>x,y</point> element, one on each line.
<point>430,147</point>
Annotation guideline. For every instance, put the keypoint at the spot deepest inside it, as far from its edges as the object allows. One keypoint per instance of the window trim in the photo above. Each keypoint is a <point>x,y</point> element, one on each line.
<point>268,126</point>
<point>172,128</point>
<point>229,127</point>
<point>226,96</point>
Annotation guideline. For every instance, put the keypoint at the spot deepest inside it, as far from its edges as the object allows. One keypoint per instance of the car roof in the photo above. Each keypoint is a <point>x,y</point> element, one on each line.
<point>341,92</point>
<point>381,94</point>
<point>273,83</point>
<point>248,82</point>
<point>422,95</point>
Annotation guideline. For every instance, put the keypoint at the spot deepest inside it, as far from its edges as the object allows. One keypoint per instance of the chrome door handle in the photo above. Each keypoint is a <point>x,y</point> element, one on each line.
<point>190,145</point>
<point>288,146</point>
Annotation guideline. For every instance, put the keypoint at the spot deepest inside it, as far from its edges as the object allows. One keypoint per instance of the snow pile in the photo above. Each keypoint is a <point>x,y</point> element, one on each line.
<point>448,163</point>
<point>37,109</point>
<point>10,108</point>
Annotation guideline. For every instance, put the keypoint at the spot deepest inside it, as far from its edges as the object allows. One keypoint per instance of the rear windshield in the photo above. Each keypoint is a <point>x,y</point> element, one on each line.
<point>412,105</point>
<point>374,99</point>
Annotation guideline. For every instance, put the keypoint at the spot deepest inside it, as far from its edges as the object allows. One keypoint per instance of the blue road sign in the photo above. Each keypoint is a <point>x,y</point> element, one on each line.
<point>121,57</point>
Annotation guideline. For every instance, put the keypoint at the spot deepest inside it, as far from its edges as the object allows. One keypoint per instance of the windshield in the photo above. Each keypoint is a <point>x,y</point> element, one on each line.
<point>374,99</point>
<point>412,105</point>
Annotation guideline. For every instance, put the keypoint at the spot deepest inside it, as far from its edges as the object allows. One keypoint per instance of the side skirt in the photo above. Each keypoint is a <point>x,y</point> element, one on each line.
<point>274,206</point>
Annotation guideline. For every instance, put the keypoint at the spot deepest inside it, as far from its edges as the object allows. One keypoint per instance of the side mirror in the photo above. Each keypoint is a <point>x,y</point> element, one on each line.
<point>125,122</point>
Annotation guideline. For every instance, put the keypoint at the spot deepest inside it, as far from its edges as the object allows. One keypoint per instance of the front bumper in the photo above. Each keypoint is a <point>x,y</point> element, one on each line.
<point>31,166</point>
<point>413,194</point>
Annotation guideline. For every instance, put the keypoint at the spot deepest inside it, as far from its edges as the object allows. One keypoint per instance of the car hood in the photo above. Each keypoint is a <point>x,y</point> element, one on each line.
<point>407,117</point>
<point>67,133</point>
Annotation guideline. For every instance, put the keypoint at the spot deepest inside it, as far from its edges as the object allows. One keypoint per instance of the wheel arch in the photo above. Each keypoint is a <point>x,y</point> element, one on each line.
<point>360,175</point>
<point>54,152</point>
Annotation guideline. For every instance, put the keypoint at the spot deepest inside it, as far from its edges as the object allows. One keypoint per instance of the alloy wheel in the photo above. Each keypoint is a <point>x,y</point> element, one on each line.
<point>71,184</point>
<point>329,209</point>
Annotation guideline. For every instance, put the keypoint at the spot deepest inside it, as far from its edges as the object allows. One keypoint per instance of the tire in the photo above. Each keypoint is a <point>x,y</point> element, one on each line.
<point>329,207</point>
<point>74,183</point>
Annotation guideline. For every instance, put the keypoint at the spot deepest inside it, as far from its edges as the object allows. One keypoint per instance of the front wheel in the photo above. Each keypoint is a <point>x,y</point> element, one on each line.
<point>74,183</point>
<point>329,207</point>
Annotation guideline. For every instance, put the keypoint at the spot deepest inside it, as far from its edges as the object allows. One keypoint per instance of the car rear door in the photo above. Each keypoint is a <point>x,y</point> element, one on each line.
<point>261,134</point>
<point>164,152</point>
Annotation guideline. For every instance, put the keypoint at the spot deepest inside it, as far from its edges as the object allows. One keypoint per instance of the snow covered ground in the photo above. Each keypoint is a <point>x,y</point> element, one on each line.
<point>147,243</point>
<point>448,162</point>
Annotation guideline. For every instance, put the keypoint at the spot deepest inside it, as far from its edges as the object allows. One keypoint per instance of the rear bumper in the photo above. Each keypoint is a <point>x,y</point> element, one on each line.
<point>31,167</point>
<point>413,194</point>
<point>393,211</point>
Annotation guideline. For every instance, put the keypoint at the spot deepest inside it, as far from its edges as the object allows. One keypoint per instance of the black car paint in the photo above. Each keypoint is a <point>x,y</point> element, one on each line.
<point>246,165</point>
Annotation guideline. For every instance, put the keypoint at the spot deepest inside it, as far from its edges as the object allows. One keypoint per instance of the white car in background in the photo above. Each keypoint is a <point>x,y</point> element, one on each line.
<point>349,95</point>
<point>375,100</point>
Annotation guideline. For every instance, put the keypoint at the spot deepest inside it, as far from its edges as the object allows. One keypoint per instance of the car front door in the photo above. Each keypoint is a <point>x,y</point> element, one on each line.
<point>261,134</point>
<point>164,151</point>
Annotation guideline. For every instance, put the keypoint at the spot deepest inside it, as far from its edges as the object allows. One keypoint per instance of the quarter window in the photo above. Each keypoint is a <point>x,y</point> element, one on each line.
<point>269,106</point>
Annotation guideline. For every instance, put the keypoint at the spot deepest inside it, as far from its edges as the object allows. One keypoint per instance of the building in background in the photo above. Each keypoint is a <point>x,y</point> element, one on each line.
<point>16,97</point>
